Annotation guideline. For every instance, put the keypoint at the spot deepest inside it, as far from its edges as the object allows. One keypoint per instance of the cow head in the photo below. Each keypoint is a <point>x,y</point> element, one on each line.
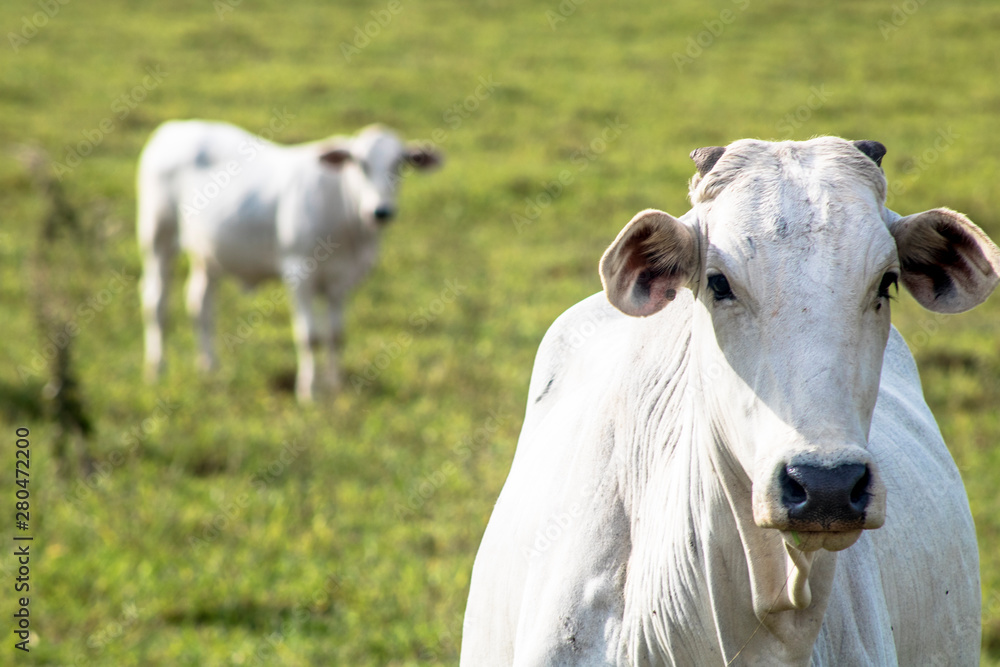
<point>793,259</point>
<point>371,165</point>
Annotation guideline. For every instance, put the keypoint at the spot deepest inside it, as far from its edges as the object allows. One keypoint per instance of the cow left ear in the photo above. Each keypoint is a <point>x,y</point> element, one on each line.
<point>422,157</point>
<point>335,157</point>
<point>654,256</point>
<point>948,264</point>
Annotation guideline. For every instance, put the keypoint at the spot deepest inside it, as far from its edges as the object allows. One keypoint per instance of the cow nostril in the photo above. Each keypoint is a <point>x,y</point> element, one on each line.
<point>792,493</point>
<point>817,497</point>
<point>860,491</point>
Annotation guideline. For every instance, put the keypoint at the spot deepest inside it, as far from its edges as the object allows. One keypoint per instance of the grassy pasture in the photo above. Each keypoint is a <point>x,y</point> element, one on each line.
<point>225,524</point>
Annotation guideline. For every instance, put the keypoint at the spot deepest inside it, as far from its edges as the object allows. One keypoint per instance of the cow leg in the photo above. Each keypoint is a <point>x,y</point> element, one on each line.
<point>334,343</point>
<point>307,338</point>
<point>200,289</point>
<point>156,228</point>
<point>155,283</point>
<point>336,296</point>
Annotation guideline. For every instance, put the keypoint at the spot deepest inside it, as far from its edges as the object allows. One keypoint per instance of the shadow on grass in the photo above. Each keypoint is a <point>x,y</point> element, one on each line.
<point>351,382</point>
<point>951,361</point>
<point>245,613</point>
<point>283,381</point>
<point>201,463</point>
<point>21,403</point>
<point>991,640</point>
<point>248,614</point>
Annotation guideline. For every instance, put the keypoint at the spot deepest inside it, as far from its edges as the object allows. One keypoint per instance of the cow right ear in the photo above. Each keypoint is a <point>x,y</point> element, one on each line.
<point>654,256</point>
<point>423,157</point>
<point>948,264</point>
<point>335,157</point>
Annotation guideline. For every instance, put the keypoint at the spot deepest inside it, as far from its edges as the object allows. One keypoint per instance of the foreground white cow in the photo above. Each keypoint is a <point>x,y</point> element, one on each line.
<point>696,460</point>
<point>238,204</point>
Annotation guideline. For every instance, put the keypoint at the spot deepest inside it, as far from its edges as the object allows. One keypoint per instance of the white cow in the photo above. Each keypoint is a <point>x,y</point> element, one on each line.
<point>238,204</point>
<point>700,462</point>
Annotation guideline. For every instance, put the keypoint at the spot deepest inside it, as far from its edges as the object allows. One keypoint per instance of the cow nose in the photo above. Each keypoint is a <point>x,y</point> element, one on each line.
<point>384,214</point>
<point>819,498</point>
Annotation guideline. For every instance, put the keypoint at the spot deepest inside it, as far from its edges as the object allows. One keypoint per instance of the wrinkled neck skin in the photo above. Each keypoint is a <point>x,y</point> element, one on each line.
<point>705,582</point>
<point>787,590</point>
<point>704,579</point>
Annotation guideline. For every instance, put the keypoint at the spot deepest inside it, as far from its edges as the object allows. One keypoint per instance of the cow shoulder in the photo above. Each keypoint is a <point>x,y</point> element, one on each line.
<point>578,327</point>
<point>906,441</point>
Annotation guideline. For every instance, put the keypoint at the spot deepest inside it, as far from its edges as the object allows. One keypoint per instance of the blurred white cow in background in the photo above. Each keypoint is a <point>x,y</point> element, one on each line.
<point>700,477</point>
<point>309,214</point>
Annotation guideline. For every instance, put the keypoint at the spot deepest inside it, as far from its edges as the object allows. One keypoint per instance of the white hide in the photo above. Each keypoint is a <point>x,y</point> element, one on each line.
<point>240,205</point>
<point>630,529</point>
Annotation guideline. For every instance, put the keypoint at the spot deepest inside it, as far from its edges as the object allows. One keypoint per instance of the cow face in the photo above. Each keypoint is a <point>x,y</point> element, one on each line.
<point>794,259</point>
<point>371,165</point>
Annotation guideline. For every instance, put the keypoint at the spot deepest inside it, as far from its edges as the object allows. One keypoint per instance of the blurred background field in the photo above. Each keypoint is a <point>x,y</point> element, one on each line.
<point>221,522</point>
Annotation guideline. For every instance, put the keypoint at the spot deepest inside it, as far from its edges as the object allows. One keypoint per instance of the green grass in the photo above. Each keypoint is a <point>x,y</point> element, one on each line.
<point>228,525</point>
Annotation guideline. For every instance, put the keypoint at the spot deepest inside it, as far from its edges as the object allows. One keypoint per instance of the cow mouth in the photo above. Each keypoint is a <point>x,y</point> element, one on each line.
<point>815,540</point>
<point>820,503</point>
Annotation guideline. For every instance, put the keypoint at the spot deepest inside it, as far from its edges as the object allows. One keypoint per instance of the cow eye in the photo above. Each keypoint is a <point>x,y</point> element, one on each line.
<point>890,279</point>
<point>720,287</point>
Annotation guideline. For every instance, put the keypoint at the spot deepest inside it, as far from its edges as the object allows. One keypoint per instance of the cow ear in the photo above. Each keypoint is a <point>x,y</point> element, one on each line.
<point>873,149</point>
<point>335,157</point>
<point>654,255</point>
<point>423,157</point>
<point>705,158</point>
<point>948,264</point>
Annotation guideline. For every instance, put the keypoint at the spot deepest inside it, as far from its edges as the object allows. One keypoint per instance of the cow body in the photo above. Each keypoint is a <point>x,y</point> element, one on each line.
<point>636,527</point>
<point>239,205</point>
<point>555,558</point>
